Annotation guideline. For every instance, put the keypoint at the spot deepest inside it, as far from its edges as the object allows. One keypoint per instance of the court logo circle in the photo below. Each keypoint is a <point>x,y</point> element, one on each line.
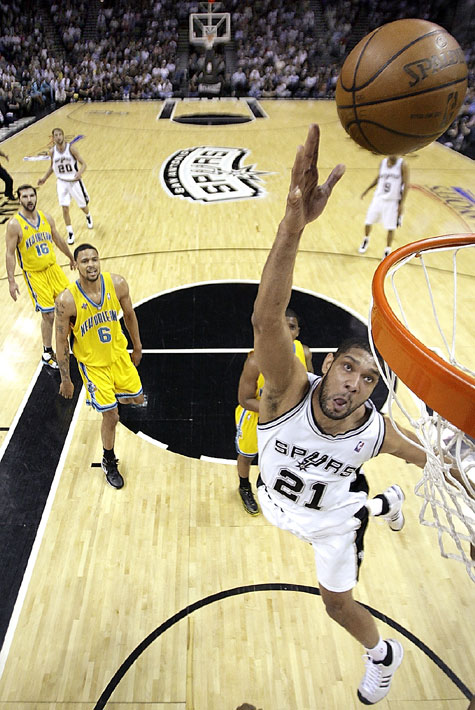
<point>195,341</point>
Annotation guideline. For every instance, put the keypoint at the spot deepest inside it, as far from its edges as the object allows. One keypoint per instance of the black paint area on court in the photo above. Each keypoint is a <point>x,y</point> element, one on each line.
<point>212,119</point>
<point>27,469</point>
<point>191,397</point>
<point>7,208</point>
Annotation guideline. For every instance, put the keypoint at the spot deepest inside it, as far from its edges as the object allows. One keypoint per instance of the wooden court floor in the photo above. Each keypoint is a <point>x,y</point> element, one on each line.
<point>148,573</point>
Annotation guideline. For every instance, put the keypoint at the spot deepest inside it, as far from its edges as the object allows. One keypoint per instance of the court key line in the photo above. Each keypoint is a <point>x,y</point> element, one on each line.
<point>136,653</point>
<point>8,639</point>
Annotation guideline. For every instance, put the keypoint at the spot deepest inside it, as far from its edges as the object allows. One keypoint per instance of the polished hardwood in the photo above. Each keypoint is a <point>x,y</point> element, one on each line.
<point>114,565</point>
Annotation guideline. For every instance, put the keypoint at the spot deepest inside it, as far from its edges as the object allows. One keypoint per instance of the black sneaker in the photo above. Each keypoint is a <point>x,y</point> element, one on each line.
<point>49,359</point>
<point>113,476</point>
<point>248,501</point>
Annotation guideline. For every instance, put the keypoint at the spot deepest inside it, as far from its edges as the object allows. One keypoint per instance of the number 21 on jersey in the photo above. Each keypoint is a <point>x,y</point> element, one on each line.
<point>293,487</point>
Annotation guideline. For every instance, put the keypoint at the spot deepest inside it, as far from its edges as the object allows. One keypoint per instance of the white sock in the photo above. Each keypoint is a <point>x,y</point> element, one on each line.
<point>375,506</point>
<point>69,229</point>
<point>379,652</point>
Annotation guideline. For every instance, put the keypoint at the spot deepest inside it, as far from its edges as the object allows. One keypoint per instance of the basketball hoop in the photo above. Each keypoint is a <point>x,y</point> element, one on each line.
<point>437,396</point>
<point>209,28</point>
<point>209,37</point>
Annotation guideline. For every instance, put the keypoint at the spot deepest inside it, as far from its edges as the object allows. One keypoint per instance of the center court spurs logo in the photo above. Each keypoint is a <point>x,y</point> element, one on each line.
<point>210,174</point>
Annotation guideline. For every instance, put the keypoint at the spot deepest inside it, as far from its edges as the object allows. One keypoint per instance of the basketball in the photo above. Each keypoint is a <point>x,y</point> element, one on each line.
<point>401,87</point>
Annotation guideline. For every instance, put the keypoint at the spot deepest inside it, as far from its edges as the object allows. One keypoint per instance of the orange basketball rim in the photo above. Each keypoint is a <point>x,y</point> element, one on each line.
<point>446,389</point>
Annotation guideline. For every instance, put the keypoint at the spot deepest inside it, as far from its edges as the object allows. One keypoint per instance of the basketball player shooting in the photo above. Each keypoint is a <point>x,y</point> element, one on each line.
<point>315,433</point>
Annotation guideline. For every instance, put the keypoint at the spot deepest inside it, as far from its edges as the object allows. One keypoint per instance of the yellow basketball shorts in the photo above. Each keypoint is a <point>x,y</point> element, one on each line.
<point>105,386</point>
<point>44,286</point>
<point>246,431</point>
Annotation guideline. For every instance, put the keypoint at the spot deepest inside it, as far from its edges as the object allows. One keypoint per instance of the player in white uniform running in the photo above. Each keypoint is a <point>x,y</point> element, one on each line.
<point>387,205</point>
<point>69,167</point>
<point>315,433</point>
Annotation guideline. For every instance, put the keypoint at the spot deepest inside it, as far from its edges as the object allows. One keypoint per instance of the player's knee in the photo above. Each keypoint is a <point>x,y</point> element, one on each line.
<point>337,606</point>
<point>133,400</point>
<point>111,417</point>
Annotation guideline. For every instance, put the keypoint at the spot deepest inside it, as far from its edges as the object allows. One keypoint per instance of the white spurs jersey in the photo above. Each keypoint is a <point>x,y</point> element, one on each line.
<point>389,185</point>
<point>65,165</point>
<point>305,469</point>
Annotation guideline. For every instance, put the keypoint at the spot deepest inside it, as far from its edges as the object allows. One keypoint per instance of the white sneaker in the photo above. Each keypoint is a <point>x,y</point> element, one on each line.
<point>89,221</point>
<point>364,245</point>
<point>394,517</point>
<point>386,252</point>
<point>70,238</point>
<point>376,681</point>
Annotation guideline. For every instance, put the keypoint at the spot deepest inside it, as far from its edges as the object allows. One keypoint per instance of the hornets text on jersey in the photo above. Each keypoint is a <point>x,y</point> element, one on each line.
<point>97,337</point>
<point>35,251</point>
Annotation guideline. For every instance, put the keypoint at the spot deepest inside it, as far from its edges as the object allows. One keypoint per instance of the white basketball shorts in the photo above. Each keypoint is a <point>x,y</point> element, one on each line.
<point>71,188</point>
<point>339,553</point>
<point>383,212</point>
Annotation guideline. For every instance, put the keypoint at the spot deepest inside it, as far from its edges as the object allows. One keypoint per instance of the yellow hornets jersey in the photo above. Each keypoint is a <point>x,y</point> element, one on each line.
<point>97,338</point>
<point>35,252</point>
<point>299,352</point>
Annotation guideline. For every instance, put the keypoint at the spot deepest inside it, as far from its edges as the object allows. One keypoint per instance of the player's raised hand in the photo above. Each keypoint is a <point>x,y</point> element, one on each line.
<point>307,199</point>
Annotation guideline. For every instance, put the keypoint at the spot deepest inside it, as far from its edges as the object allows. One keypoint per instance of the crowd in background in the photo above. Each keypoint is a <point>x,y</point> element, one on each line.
<point>101,51</point>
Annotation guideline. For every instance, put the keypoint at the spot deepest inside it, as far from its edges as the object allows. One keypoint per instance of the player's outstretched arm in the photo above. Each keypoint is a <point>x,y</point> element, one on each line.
<point>64,309</point>
<point>12,238</point>
<point>370,187</point>
<point>396,445</point>
<point>59,241</point>
<point>306,200</point>
<point>130,319</point>
<point>80,160</point>
<point>247,385</point>
<point>49,172</point>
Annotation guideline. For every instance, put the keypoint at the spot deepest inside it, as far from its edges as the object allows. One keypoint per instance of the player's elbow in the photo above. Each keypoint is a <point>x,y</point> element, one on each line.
<point>264,322</point>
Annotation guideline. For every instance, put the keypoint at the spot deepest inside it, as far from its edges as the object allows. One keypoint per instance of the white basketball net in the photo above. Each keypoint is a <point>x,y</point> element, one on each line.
<point>209,37</point>
<point>448,506</point>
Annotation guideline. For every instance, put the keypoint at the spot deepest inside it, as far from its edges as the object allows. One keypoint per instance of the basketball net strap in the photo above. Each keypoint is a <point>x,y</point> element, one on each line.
<point>448,501</point>
<point>209,36</point>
